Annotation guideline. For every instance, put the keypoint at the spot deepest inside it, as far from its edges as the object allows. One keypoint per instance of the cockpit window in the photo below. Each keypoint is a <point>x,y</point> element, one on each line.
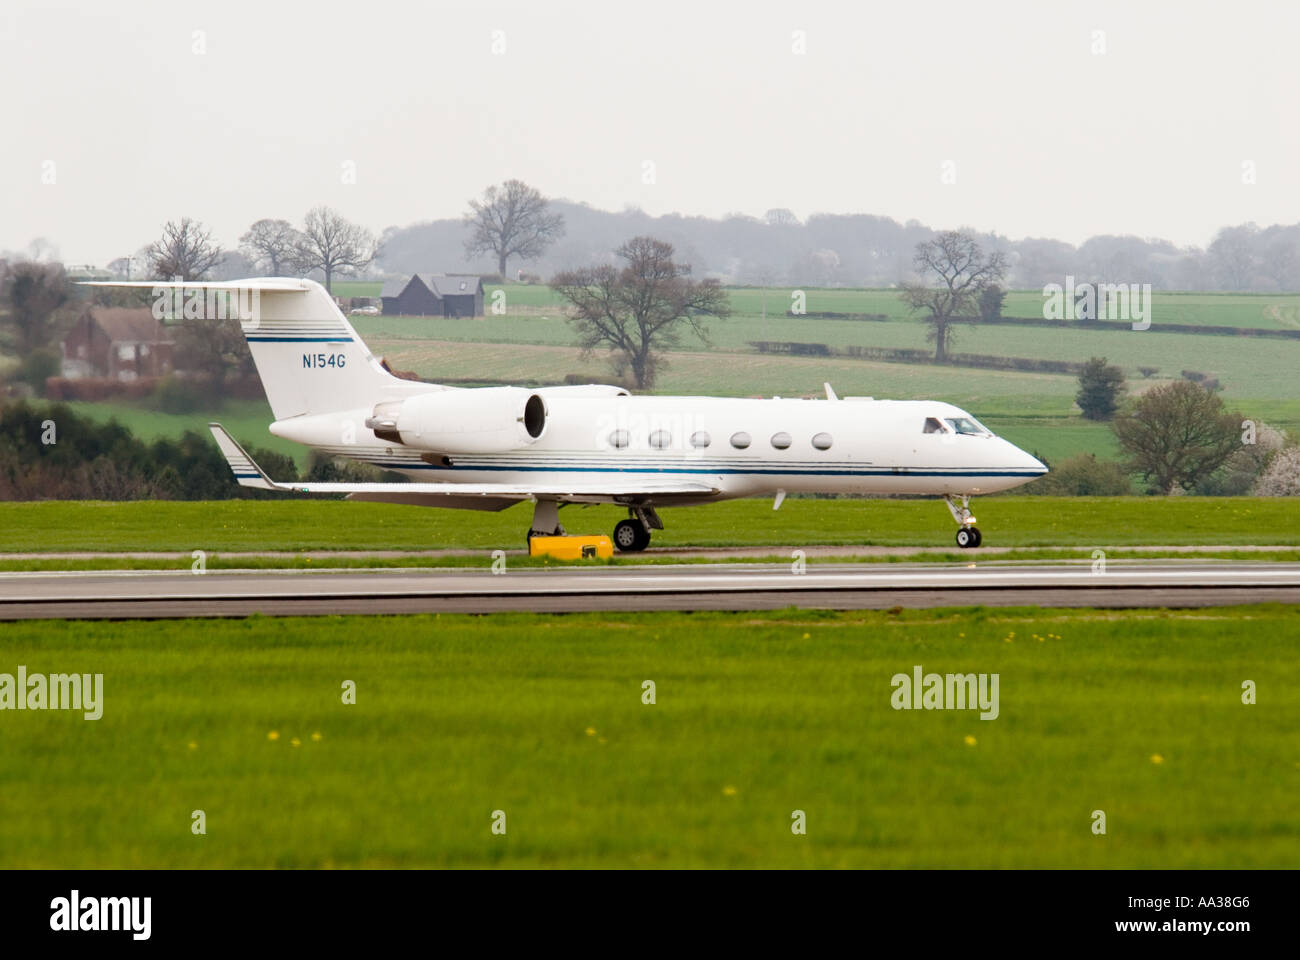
<point>932,425</point>
<point>967,426</point>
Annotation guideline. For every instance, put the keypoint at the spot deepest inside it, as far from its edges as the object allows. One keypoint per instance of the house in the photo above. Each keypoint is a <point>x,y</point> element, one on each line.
<point>119,343</point>
<point>433,295</point>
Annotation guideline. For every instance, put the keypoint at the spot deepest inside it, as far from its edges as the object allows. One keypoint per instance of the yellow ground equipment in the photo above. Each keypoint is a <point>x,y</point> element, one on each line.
<point>571,548</point>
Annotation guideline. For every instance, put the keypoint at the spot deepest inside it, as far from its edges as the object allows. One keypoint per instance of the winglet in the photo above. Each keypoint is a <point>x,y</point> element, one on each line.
<point>830,394</point>
<point>248,473</point>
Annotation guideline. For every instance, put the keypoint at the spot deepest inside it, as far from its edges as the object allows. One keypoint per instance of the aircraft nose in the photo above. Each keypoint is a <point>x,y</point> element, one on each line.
<point>1030,462</point>
<point>1023,461</point>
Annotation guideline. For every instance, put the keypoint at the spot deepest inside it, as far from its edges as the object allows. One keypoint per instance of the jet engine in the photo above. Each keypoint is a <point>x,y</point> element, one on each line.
<point>482,420</point>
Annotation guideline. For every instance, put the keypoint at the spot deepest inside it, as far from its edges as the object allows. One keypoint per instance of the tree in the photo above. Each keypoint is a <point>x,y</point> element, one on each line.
<point>1100,387</point>
<point>781,217</point>
<point>641,309</point>
<point>331,244</point>
<point>963,273</point>
<point>990,302</point>
<point>1248,463</point>
<point>1282,476</point>
<point>1233,256</point>
<point>1177,435</point>
<point>272,244</point>
<point>213,348</point>
<point>185,250</point>
<point>511,221</point>
<point>32,294</point>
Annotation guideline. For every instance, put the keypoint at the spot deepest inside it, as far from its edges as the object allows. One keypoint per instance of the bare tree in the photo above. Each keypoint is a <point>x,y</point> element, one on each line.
<point>331,244</point>
<point>511,221</point>
<point>1233,256</point>
<point>963,272</point>
<point>214,349</point>
<point>273,245</point>
<point>640,310</point>
<point>185,250</point>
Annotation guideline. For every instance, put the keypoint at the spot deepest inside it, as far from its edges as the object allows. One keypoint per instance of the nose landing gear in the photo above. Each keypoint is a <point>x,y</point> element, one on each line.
<point>968,535</point>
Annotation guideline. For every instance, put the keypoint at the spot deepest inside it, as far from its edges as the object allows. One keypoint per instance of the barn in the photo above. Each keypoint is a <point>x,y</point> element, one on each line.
<point>121,343</point>
<point>462,294</point>
<point>433,295</point>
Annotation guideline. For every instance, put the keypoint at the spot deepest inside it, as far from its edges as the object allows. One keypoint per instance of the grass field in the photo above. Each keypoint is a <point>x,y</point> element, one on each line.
<point>246,419</point>
<point>253,525</point>
<point>757,715</point>
<point>1265,310</point>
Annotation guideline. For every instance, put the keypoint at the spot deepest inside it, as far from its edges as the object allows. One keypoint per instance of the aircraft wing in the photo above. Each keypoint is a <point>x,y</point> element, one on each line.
<point>490,496</point>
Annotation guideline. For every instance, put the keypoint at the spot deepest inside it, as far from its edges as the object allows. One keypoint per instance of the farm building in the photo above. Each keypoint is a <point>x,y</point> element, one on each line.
<point>120,343</point>
<point>433,295</point>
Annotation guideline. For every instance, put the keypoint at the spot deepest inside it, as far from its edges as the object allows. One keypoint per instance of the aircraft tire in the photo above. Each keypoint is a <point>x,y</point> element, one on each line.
<point>630,537</point>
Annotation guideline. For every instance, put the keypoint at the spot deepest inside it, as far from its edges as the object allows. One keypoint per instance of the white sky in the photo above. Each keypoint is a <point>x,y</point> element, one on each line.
<point>1047,139</point>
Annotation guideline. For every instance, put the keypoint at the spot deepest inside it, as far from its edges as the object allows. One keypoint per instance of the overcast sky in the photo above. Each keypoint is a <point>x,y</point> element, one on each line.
<point>138,119</point>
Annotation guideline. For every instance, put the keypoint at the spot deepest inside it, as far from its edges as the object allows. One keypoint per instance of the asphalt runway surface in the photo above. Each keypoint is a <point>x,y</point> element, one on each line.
<point>749,586</point>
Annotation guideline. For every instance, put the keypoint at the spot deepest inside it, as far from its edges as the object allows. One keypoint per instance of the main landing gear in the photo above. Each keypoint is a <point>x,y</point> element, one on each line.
<point>546,520</point>
<point>968,535</point>
<point>630,536</point>
<point>633,535</point>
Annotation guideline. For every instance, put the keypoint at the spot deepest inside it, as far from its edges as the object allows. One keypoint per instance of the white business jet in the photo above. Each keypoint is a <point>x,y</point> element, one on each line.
<point>488,448</point>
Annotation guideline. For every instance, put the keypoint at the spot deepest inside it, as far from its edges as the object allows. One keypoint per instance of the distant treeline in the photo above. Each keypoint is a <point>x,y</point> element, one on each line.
<point>862,250</point>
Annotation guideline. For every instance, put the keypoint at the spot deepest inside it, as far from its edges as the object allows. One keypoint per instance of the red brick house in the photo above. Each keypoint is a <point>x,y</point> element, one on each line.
<point>119,343</point>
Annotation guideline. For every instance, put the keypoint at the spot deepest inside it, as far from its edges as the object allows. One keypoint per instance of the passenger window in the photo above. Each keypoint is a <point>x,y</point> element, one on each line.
<point>933,426</point>
<point>781,441</point>
<point>822,441</point>
<point>660,439</point>
<point>618,439</point>
<point>701,438</point>
<point>740,440</point>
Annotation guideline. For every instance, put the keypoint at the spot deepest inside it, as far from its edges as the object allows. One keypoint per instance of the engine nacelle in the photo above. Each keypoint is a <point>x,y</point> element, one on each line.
<point>484,420</point>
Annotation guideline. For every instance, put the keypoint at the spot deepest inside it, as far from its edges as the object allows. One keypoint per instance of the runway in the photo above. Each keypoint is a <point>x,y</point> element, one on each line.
<point>752,586</point>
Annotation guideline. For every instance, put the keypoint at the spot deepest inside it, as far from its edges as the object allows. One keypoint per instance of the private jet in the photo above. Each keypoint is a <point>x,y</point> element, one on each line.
<point>488,448</point>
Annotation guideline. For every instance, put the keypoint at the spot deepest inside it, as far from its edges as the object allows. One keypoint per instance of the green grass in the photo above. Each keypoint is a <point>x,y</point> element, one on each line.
<point>1265,310</point>
<point>757,715</point>
<point>245,419</point>
<point>252,525</point>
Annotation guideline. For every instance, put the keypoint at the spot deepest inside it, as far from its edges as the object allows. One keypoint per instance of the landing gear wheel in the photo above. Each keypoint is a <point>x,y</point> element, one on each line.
<point>630,536</point>
<point>969,537</point>
<point>979,537</point>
